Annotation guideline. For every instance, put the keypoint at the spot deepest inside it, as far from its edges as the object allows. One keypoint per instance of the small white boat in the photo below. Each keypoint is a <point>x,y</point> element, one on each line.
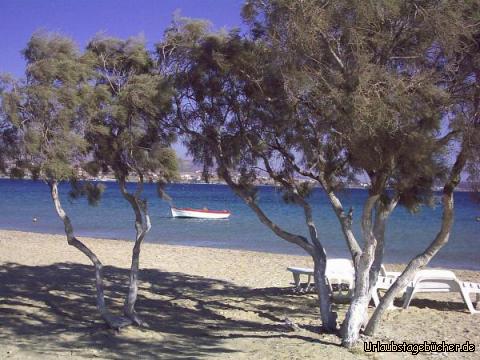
<point>199,213</point>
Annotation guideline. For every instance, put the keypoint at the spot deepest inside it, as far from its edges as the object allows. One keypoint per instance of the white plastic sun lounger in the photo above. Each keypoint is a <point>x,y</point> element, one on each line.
<point>296,272</point>
<point>341,272</point>
<point>338,272</point>
<point>384,281</point>
<point>389,274</point>
<point>427,281</point>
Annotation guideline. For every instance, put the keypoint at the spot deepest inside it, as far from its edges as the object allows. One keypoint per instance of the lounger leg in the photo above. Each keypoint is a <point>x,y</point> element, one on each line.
<point>296,280</point>
<point>308,283</point>
<point>375,298</point>
<point>468,301</point>
<point>330,286</point>
<point>408,297</point>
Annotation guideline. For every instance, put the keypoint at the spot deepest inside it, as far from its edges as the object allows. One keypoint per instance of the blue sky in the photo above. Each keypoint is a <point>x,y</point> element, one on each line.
<point>82,19</point>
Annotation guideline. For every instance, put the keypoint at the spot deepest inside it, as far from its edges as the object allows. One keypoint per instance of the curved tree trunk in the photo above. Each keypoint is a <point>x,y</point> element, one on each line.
<point>414,265</point>
<point>292,238</point>
<point>319,256</point>
<point>344,218</point>
<point>424,258</point>
<point>142,227</point>
<point>357,312</point>
<point>382,212</point>
<point>112,321</point>
<point>345,223</point>
<point>328,317</point>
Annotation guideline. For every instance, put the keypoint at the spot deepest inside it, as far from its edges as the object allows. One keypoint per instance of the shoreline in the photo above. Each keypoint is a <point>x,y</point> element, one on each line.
<point>117,252</point>
<point>199,303</point>
<point>149,241</point>
<point>20,246</point>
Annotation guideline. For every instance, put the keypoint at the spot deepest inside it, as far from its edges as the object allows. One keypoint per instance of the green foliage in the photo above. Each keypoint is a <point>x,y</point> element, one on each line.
<point>128,135</point>
<point>326,89</point>
<point>9,134</point>
<point>17,173</point>
<point>9,148</point>
<point>366,82</point>
<point>210,74</point>
<point>301,190</point>
<point>44,108</point>
<point>92,168</point>
<point>165,160</point>
<point>246,183</point>
<point>92,191</point>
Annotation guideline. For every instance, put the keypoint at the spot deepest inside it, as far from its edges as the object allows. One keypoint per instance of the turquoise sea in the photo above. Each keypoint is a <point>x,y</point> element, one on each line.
<point>407,234</point>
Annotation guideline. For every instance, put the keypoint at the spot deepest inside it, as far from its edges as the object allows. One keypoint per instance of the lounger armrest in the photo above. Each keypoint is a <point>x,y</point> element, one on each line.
<point>471,286</point>
<point>393,274</point>
<point>300,270</point>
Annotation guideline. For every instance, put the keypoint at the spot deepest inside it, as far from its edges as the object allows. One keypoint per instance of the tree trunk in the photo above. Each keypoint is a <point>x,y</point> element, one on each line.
<point>328,317</point>
<point>344,218</point>
<point>382,212</point>
<point>357,312</point>
<point>277,230</point>
<point>142,227</point>
<point>112,321</point>
<point>346,225</point>
<point>421,260</point>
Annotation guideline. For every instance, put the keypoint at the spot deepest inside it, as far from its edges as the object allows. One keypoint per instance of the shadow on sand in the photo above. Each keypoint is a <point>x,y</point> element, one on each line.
<point>51,309</point>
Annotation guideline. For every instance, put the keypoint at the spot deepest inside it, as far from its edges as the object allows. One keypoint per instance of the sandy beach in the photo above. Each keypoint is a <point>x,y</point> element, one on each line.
<point>198,302</point>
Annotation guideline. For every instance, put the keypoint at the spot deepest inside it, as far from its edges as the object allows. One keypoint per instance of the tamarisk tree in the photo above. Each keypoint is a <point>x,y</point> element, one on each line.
<point>129,138</point>
<point>45,111</point>
<point>458,66</point>
<point>217,114</point>
<point>363,78</point>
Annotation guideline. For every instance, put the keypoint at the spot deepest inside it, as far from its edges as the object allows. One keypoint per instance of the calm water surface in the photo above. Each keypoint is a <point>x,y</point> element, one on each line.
<point>407,234</point>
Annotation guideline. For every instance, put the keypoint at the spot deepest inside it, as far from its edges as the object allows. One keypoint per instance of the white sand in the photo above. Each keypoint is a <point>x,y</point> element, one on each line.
<point>199,303</point>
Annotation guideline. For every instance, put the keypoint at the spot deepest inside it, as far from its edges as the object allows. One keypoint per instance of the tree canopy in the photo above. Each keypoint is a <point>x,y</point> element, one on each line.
<point>46,108</point>
<point>128,136</point>
<point>327,91</point>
